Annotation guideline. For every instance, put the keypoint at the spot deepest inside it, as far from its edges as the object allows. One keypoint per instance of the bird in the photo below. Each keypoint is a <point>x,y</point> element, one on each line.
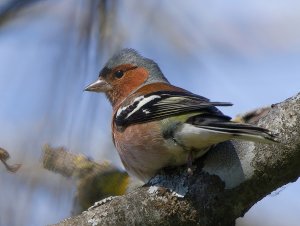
<point>156,124</point>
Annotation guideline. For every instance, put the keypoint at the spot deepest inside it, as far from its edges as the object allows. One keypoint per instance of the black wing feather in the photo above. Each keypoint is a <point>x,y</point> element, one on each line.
<point>163,104</point>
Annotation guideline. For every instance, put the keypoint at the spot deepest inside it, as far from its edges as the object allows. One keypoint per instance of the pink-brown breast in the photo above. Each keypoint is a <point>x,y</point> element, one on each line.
<point>142,149</point>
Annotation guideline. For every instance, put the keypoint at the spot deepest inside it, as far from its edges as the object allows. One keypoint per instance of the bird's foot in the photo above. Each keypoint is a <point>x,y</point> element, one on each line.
<point>190,163</point>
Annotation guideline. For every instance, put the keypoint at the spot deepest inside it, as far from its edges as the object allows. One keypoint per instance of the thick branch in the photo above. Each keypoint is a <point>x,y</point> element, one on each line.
<point>230,179</point>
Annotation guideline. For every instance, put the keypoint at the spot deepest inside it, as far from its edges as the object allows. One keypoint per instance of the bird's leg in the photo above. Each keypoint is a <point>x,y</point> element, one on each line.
<point>190,163</point>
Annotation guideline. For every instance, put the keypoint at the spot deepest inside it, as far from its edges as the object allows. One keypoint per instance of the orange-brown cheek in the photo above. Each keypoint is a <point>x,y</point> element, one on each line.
<point>132,80</point>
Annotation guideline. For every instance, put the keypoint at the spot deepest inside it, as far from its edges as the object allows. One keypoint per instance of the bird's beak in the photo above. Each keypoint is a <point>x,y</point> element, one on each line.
<point>98,86</point>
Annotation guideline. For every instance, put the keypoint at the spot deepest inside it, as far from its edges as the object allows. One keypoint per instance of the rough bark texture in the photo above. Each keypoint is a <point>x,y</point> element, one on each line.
<point>230,179</point>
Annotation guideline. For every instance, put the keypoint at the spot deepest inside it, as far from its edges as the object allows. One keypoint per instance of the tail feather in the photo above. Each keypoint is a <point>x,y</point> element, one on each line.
<point>222,124</point>
<point>244,132</point>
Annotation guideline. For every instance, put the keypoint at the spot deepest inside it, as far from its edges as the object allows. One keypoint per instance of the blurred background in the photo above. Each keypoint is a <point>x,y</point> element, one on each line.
<point>245,52</point>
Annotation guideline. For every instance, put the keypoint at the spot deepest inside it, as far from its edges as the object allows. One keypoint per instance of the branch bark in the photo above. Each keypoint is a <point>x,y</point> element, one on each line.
<point>230,179</point>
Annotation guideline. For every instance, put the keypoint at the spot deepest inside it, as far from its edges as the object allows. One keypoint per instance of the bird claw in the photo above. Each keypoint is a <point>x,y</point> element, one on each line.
<point>190,171</point>
<point>190,163</point>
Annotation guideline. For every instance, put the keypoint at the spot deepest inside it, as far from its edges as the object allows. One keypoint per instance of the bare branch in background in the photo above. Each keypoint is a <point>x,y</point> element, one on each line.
<point>10,9</point>
<point>4,156</point>
<point>95,181</point>
<point>252,117</point>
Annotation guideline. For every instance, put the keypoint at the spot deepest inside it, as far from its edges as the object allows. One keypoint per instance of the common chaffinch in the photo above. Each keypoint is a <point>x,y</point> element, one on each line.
<point>156,124</point>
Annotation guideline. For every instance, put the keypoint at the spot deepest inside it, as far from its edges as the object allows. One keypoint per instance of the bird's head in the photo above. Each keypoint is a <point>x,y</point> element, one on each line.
<point>124,73</point>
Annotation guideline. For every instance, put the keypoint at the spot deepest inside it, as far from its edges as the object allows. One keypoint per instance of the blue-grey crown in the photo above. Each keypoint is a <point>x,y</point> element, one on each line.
<point>131,56</point>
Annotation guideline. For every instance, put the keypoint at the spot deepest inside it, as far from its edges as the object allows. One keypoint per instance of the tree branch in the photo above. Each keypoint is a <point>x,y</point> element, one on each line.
<point>230,179</point>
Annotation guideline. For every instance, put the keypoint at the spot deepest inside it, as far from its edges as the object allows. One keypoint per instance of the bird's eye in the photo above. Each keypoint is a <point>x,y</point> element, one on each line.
<point>119,74</point>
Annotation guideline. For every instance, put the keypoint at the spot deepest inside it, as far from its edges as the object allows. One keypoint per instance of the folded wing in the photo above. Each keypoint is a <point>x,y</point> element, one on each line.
<point>163,104</point>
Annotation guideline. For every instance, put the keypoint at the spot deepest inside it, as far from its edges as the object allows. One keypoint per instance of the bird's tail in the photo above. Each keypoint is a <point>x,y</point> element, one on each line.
<point>222,124</point>
<point>244,131</point>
